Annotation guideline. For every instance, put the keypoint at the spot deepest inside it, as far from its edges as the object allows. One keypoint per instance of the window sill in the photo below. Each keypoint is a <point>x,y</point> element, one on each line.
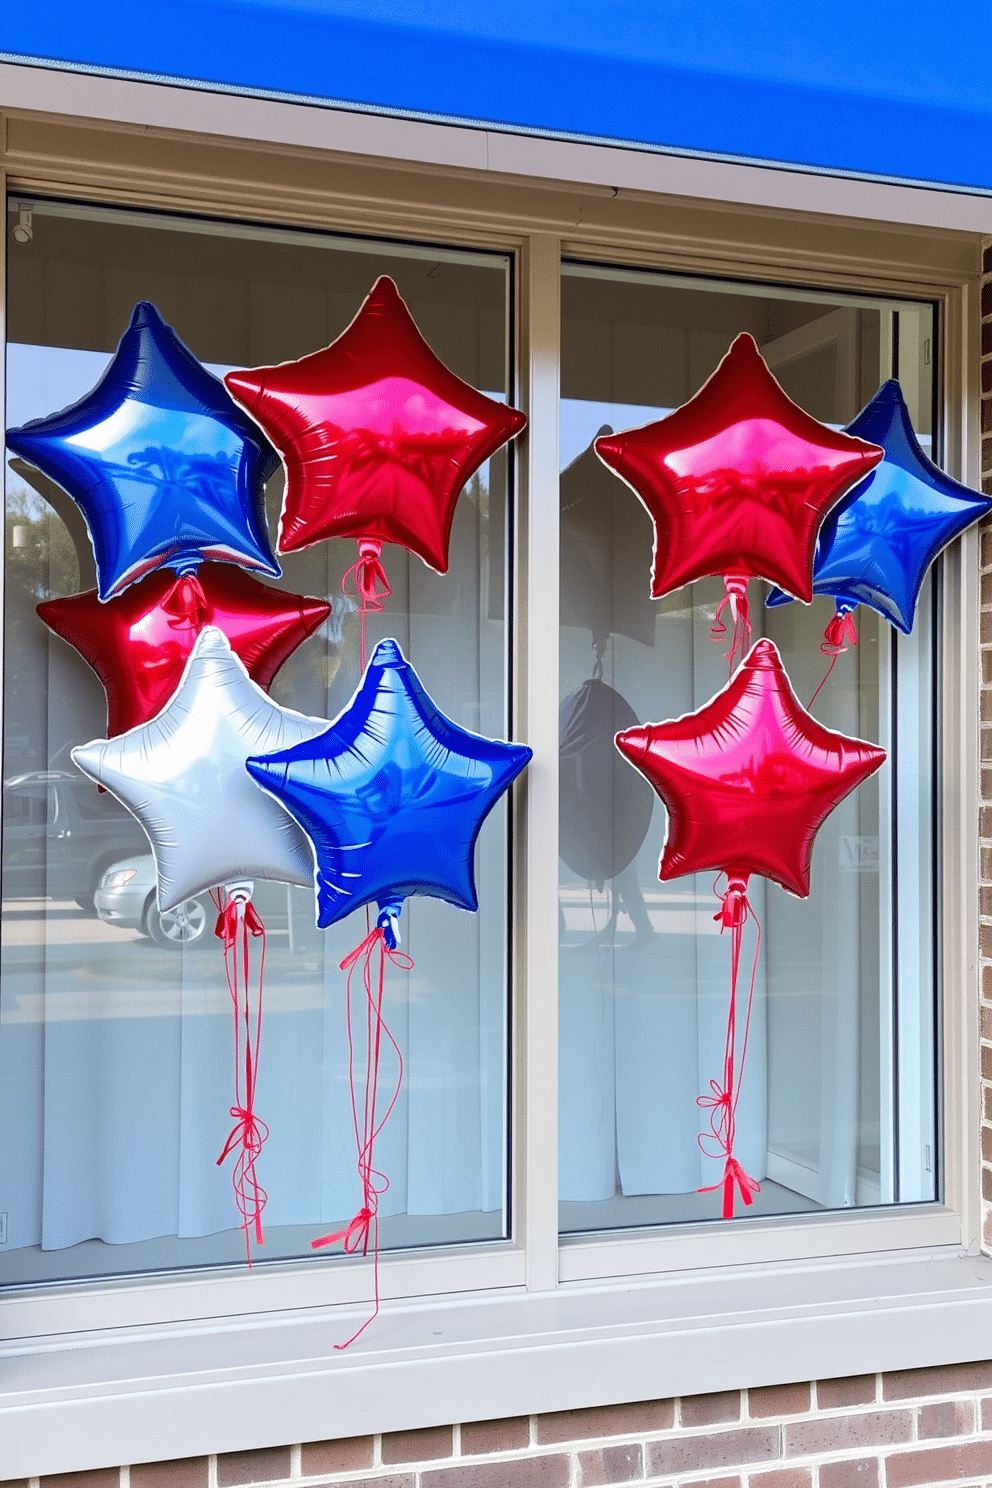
<point>129,1395</point>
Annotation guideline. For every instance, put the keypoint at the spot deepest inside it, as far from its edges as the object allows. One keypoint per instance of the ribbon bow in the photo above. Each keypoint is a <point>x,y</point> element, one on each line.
<point>186,602</point>
<point>734,912</point>
<point>736,599</point>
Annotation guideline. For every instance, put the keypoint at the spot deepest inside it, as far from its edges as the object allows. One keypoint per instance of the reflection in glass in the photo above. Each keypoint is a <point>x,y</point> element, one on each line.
<point>115,1038</point>
<point>644,973</point>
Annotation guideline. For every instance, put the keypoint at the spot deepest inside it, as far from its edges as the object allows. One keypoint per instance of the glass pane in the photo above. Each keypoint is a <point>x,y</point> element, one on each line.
<point>115,1042</point>
<point>837,1103</point>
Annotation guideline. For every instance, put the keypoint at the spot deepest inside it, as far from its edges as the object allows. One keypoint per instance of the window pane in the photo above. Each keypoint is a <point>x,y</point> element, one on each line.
<point>837,1103</point>
<point>116,1047</point>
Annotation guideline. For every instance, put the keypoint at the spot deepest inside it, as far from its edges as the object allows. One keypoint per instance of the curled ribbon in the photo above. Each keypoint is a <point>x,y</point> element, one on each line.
<point>734,912</point>
<point>370,581</point>
<point>362,1231</point>
<point>237,924</point>
<point>840,633</point>
<point>736,599</point>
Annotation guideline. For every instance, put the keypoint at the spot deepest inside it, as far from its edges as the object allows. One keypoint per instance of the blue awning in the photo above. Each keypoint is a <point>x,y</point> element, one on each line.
<point>892,90</point>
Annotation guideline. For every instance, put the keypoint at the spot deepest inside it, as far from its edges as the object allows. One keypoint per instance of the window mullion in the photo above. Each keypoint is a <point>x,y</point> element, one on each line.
<point>536,1023</point>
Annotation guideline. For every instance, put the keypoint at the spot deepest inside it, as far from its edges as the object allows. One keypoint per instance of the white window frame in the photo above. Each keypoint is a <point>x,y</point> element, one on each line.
<point>144,1369</point>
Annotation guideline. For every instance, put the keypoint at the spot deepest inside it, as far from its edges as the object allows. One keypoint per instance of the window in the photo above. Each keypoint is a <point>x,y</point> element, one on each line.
<point>838,1096</point>
<point>115,1038</point>
<point>489,1310</point>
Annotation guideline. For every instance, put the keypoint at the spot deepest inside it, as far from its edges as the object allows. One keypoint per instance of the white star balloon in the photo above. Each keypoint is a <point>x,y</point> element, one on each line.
<point>183,776</point>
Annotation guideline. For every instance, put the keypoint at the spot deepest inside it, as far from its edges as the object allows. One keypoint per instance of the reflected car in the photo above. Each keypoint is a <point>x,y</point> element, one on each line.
<point>60,834</point>
<point>126,897</point>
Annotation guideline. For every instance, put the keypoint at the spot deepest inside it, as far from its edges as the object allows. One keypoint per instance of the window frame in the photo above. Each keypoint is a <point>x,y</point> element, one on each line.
<point>258,162</point>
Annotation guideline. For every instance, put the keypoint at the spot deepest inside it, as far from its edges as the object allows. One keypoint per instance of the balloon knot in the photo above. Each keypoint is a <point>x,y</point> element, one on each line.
<point>840,633</point>
<point>186,602</point>
<point>734,907</point>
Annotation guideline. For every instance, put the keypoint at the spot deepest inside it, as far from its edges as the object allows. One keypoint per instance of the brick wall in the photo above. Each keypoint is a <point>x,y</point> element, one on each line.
<point>902,1430</point>
<point>985,814</point>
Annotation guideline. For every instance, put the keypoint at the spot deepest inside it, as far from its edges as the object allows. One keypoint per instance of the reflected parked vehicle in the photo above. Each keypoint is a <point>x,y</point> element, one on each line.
<point>126,897</point>
<point>60,834</point>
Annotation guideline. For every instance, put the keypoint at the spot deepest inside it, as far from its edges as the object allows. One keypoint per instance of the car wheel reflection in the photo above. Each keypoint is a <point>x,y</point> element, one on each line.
<point>175,928</point>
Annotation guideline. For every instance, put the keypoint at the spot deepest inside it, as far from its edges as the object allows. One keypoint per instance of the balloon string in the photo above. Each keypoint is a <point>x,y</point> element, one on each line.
<point>186,602</point>
<point>735,911</point>
<point>736,598</point>
<point>370,582</point>
<point>363,1229</point>
<point>237,924</point>
<point>840,629</point>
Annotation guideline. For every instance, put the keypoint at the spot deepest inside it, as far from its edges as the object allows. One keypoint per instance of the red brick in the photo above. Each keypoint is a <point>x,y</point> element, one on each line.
<point>939,1464</point>
<point>781,1477</point>
<point>264,1465</point>
<point>424,1445</point>
<point>779,1400</point>
<point>23,1482</point>
<point>987,1097</point>
<point>987,1414</point>
<point>519,1472</point>
<point>986,377</point>
<point>987,1143</point>
<point>710,1483</point>
<point>987,261</point>
<point>985,588</point>
<point>987,339</point>
<point>606,1420</point>
<point>347,1455</point>
<point>853,1389</point>
<point>856,1472</point>
<point>986,1016</point>
<point>986,1057</point>
<point>506,1435</point>
<point>100,1477</point>
<point>986,300</point>
<point>690,1454</point>
<point>986,680</point>
<point>184,1472</point>
<point>395,1480</point>
<point>710,1410</point>
<point>947,1417</point>
<point>837,1433</point>
<point>622,1464</point>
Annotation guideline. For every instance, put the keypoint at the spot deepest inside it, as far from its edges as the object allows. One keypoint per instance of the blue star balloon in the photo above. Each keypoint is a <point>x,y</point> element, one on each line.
<point>392,796</point>
<point>164,465</point>
<point>876,545</point>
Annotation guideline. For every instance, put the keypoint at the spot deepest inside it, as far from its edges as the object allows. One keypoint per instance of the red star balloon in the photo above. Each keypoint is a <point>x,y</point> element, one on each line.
<point>749,778</point>
<point>738,480</point>
<point>138,644</point>
<point>377,436</point>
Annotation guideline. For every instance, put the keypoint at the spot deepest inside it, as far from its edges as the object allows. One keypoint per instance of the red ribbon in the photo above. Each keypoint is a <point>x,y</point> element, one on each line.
<point>736,598</point>
<point>370,581</point>
<point>840,633</point>
<point>186,602</point>
<point>734,913</point>
<point>363,1230</point>
<point>237,924</point>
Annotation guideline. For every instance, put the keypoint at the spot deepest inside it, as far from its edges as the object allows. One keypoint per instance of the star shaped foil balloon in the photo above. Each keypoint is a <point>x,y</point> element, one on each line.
<point>738,480</point>
<point>392,795</point>
<point>139,643</point>
<point>377,436</point>
<point>183,776</point>
<point>876,546</point>
<point>749,778</point>
<point>165,467</point>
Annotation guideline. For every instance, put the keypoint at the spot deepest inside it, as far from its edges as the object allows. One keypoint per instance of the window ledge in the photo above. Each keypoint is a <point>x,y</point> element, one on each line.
<point>141,1395</point>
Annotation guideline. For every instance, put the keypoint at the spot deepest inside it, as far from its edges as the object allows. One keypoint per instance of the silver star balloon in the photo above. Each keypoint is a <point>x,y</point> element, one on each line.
<point>183,776</point>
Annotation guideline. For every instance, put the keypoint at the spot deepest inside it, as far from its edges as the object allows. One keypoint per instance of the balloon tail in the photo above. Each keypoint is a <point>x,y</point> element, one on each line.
<point>740,614</point>
<point>186,602</point>
<point>238,923</point>
<point>735,911</point>
<point>840,633</point>
<point>370,581</point>
<point>363,1230</point>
